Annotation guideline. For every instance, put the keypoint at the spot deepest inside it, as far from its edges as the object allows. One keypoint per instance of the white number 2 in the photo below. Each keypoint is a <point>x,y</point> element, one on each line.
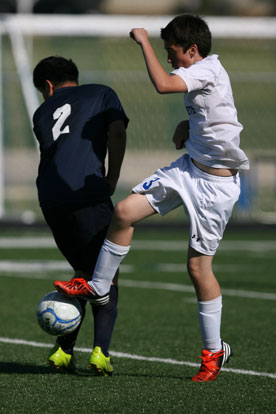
<point>61,114</point>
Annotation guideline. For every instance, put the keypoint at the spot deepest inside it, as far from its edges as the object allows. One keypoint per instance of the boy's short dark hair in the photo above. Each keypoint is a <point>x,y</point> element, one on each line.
<point>186,30</point>
<point>56,69</point>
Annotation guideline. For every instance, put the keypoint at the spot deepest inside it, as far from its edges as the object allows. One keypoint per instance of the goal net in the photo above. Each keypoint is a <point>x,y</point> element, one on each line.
<point>100,46</point>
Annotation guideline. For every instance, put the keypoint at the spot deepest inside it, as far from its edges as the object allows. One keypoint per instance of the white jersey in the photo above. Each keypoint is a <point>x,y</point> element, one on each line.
<point>214,127</point>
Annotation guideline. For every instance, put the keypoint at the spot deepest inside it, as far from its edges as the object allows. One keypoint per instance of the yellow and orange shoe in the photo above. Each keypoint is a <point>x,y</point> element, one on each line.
<point>212,362</point>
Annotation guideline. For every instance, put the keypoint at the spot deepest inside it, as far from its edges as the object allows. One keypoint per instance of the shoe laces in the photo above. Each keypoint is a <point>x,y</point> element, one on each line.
<point>211,361</point>
<point>79,284</point>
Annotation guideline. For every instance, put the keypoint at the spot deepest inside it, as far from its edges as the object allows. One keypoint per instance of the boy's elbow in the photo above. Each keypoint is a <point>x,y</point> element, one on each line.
<point>161,88</point>
<point>161,91</point>
<point>170,84</point>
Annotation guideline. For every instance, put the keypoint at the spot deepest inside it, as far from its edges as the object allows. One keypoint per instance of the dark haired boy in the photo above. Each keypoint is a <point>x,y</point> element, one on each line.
<point>76,126</point>
<point>205,180</point>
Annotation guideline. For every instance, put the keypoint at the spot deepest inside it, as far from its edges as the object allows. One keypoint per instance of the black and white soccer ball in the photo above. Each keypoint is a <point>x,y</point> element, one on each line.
<point>58,314</point>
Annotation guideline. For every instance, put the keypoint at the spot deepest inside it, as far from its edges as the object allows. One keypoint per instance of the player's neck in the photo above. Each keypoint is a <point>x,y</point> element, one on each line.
<point>66,85</point>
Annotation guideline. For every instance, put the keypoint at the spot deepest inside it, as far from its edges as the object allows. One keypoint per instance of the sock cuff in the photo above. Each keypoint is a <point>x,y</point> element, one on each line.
<point>115,249</point>
<point>210,305</point>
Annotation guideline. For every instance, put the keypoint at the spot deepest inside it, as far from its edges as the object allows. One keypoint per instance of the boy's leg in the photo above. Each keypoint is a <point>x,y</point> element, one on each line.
<point>156,194</point>
<point>215,352</point>
<point>209,298</point>
<point>79,234</point>
<point>129,211</point>
<point>202,276</point>
<point>104,321</point>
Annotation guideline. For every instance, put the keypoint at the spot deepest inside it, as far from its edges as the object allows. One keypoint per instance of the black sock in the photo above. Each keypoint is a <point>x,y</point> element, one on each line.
<point>104,321</point>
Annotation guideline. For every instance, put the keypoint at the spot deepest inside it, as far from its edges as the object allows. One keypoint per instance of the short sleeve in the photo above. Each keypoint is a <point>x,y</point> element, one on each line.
<point>197,76</point>
<point>113,108</point>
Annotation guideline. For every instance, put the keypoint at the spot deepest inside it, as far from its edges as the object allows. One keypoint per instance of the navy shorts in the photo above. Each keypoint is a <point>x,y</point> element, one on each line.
<point>79,232</point>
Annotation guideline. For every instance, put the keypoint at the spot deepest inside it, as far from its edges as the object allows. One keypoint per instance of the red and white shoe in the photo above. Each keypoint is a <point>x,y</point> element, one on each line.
<point>212,362</point>
<point>79,288</point>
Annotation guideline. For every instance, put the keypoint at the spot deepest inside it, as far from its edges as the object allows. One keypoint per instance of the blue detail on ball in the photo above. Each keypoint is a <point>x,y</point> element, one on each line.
<point>70,323</point>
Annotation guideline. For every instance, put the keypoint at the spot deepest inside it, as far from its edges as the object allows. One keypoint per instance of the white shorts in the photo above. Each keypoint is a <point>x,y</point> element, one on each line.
<point>208,199</point>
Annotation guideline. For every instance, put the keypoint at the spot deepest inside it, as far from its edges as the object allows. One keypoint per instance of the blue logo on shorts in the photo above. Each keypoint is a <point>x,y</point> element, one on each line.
<point>146,185</point>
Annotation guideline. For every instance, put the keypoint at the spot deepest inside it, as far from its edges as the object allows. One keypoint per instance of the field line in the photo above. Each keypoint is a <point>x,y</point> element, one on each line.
<point>259,246</point>
<point>22,266</point>
<point>187,288</point>
<point>138,357</point>
<point>37,270</point>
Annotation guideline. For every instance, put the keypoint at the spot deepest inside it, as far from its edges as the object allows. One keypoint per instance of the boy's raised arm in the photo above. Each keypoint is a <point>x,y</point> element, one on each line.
<point>162,82</point>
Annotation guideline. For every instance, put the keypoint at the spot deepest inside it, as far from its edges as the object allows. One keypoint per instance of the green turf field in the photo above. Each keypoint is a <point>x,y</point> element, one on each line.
<point>156,339</point>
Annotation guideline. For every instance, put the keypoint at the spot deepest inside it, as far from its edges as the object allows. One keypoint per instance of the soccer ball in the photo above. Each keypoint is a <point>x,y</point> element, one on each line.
<point>58,314</point>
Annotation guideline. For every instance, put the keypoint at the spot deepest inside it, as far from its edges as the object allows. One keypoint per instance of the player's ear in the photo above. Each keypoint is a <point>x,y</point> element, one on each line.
<point>193,50</point>
<point>48,89</point>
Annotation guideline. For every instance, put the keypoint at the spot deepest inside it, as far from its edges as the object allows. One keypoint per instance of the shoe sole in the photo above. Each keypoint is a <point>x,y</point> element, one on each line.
<point>100,301</point>
<point>63,370</point>
<point>99,372</point>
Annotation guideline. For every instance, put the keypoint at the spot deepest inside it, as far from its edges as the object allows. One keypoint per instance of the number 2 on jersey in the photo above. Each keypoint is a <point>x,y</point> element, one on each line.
<point>61,114</point>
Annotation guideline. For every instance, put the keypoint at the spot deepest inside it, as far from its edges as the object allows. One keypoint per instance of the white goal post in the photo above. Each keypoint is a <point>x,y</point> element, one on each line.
<point>117,25</point>
<point>18,26</point>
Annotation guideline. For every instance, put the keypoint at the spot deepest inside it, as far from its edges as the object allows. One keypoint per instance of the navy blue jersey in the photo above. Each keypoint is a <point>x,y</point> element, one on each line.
<point>72,130</point>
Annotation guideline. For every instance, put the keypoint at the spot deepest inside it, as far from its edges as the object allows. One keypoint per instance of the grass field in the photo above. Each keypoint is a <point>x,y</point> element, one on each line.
<point>156,339</point>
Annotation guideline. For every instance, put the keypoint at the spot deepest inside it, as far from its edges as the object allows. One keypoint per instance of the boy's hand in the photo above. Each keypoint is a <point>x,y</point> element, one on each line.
<point>139,35</point>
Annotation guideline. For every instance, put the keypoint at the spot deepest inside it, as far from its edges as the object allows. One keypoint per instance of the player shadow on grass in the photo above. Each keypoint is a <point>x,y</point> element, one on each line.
<point>151,375</point>
<point>81,372</point>
<point>18,368</point>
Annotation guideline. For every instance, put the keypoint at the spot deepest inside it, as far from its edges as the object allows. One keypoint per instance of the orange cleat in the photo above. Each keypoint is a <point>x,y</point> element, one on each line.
<point>212,362</point>
<point>78,287</point>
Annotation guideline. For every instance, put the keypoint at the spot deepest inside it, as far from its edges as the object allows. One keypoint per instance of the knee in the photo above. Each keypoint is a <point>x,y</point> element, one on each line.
<point>198,269</point>
<point>193,269</point>
<point>122,214</point>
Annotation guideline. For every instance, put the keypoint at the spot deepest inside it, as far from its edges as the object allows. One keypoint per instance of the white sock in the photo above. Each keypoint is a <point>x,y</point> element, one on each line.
<point>209,320</point>
<point>109,259</point>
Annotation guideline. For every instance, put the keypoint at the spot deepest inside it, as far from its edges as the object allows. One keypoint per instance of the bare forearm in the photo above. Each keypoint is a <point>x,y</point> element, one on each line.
<point>162,81</point>
<point>156,72</point>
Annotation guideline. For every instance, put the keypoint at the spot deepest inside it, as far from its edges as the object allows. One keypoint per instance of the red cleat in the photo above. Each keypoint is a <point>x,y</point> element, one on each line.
<point>212,362</point>
<point>78,287</point>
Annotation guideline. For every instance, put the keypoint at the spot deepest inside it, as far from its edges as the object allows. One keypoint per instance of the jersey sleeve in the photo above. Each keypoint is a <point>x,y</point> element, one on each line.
<point>113,108</point>
<point>196,76</point>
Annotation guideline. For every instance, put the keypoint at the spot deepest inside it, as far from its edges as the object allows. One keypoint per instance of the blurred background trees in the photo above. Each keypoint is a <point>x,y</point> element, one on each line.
<point>206,7</point>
